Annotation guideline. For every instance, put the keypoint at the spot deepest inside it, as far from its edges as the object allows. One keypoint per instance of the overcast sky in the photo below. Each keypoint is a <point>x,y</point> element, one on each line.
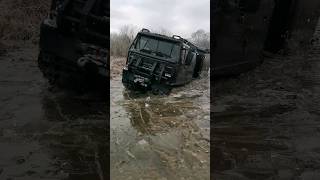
<point>180,17</point>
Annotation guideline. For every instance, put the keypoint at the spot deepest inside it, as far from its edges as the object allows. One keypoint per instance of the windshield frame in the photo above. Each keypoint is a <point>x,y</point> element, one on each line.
<point>173,58</point>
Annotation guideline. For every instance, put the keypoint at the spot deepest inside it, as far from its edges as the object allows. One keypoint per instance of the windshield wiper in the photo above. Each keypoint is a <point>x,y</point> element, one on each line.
<point>162,54</point>
<point>146,50</point>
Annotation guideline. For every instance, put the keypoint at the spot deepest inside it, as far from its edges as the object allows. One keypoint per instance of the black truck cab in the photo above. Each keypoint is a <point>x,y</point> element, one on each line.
<point>159,62</point>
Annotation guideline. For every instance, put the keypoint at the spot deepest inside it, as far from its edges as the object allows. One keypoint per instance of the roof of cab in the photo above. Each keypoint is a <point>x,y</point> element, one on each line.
<point>175,38</point>
<point>172,38</point>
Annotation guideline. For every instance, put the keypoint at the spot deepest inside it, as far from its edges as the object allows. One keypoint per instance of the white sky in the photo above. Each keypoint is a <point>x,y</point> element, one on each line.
<point>180,17</point>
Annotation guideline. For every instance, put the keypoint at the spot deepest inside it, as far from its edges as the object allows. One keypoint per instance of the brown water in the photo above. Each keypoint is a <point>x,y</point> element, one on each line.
<point>266,122</point>
<point>47,133</point>
<point>160,137</point>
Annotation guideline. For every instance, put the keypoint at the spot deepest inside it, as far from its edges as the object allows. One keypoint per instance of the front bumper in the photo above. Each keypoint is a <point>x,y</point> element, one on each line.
<point>135,81</point>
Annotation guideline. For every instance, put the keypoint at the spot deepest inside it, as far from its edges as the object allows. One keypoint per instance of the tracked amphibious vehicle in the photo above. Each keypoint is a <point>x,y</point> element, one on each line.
<point>158,63</point>
<point>74,44</point>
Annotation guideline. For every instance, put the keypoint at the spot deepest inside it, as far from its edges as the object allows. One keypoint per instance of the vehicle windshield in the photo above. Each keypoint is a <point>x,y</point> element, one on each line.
<point>162,48</point>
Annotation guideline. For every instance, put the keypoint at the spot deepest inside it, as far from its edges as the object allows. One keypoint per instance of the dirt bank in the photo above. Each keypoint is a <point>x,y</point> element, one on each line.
<point>20,20</point>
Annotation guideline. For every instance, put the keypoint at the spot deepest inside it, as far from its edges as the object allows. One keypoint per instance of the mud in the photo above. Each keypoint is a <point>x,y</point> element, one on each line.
<point>159,137</point>
<point>116,65</point>
<point>47,133</point>
<point>266,122</point>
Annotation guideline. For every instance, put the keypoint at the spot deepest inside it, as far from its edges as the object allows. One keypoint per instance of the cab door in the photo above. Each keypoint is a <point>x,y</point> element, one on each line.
<point>186,68</point>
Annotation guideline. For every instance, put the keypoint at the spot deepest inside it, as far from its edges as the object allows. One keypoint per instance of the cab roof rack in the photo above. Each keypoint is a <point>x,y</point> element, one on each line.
<point>145,30</point>
<point>176,37</point>
<point>180,38</point>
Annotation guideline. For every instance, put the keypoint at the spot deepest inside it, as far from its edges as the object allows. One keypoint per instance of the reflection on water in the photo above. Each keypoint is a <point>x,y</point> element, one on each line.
<point>159,137</point>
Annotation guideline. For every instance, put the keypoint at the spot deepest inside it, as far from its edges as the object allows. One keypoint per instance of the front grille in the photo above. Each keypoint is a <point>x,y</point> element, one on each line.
<point>150,66</point>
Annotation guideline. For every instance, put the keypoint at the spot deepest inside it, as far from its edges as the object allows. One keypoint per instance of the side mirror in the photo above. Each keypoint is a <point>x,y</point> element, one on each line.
<point>189,57</point>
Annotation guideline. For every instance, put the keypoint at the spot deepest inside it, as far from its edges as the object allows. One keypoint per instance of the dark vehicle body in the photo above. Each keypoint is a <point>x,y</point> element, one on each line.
<point>239,31</point>
<point>157,62</point>
<point>244,31</point>
<point>74,43</point>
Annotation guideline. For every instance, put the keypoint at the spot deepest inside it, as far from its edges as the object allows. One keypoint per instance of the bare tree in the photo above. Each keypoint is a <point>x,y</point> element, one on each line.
<point>127,32</point>
<point>121,41</point>
<point>201,38</point>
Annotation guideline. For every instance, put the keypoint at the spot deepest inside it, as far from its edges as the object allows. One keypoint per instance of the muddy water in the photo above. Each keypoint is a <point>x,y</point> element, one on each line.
<point>266,122</point>
<point>47,133</point>
<point>160,137</point>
